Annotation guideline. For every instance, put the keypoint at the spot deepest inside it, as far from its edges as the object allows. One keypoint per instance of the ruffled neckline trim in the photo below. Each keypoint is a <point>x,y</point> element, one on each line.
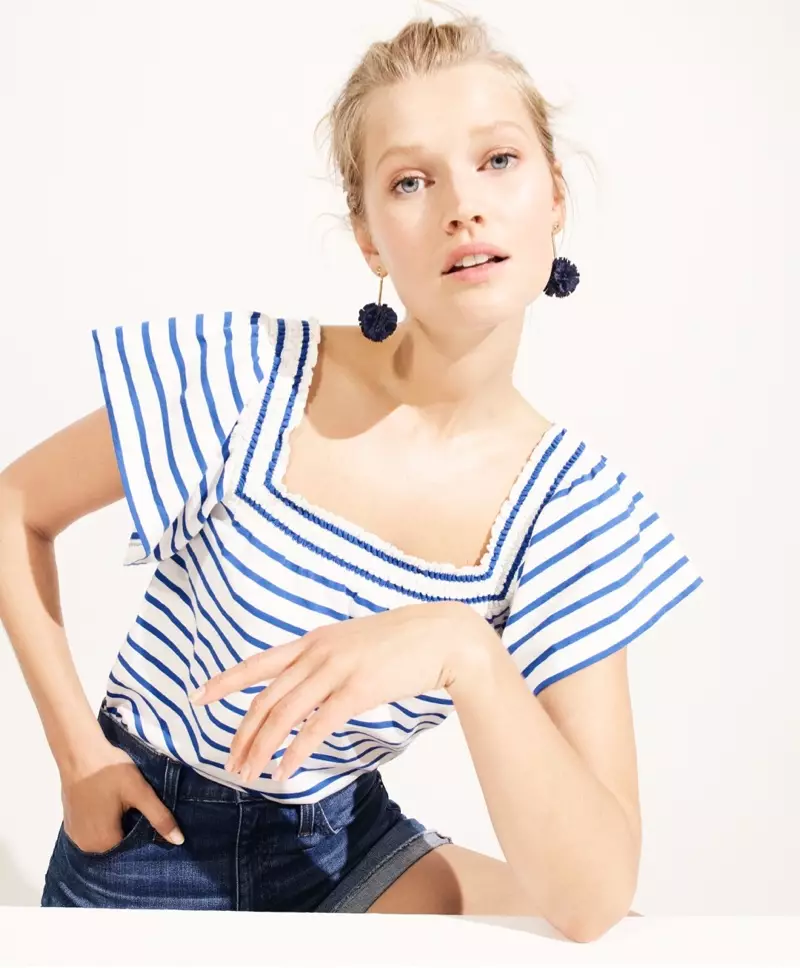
<point>373,543</point>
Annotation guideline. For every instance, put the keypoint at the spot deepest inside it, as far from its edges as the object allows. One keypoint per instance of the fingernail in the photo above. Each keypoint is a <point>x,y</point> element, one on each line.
<point>197,694</point>
<point>175,836</point>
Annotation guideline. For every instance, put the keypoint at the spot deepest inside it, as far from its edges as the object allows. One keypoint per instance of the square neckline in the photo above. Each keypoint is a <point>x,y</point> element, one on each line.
<point>308,334</point>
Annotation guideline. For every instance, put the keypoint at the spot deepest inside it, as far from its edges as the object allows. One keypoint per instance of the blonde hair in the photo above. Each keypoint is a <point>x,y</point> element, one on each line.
<point>423,47</point>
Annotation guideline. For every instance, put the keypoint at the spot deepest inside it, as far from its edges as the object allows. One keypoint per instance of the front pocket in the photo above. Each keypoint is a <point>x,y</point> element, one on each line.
<point>346,805</point>
<point>134,825</point>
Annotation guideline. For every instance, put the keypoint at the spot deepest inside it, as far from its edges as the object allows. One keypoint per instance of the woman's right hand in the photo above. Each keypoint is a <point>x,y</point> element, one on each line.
<point>96,794</point>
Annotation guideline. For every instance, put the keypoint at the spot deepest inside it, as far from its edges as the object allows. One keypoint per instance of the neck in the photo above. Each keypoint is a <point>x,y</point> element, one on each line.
<point>455,381</point>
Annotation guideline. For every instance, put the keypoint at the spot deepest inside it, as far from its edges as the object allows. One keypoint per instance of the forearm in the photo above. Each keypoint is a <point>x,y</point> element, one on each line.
<point>563,833</point>
<point>30,611</point>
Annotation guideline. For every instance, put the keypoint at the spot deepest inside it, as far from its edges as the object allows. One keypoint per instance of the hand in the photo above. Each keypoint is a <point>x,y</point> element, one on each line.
<point>340,670</point>
<point>97,794</point>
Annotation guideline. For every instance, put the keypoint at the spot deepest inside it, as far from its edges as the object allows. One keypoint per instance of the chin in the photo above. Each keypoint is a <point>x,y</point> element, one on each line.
<point>483,317</point>
<point>485,304</point>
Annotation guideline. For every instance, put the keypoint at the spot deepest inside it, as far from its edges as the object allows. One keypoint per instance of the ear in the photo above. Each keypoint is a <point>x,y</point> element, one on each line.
<point>364,242</point>
<point>559,197</point>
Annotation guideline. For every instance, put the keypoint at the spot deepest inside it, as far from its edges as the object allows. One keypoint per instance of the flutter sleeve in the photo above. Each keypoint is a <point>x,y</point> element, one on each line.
<point>174,391</point>
<point>599,568</point>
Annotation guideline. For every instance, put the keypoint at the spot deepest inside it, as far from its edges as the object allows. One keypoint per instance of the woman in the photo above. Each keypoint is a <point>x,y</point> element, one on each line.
<point>284,476</point>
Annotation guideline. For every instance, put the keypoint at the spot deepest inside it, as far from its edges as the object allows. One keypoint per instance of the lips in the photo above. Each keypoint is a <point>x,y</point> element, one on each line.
<point>476,247</point>
<point>494,258</point>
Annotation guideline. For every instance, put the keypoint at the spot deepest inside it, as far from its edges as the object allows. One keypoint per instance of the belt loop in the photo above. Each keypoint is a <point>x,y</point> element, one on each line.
<point>306,820</point>
<point>172,772</point>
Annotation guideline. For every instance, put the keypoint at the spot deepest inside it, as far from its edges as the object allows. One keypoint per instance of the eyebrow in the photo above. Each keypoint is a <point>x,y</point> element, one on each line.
<point>478,130</point>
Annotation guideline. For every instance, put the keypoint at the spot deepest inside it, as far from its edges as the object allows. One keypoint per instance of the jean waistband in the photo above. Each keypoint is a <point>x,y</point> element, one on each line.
<point>153,764</point>
<point>156,765</point>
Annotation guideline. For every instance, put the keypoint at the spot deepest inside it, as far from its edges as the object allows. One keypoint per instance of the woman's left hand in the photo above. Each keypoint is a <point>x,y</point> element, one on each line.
<point>344,668</point>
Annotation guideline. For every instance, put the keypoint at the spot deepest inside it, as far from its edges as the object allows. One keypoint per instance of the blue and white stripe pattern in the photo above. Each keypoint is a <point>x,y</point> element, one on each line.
<point>577,565</point>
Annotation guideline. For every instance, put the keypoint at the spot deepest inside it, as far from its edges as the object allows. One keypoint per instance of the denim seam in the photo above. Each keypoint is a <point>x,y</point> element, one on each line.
<point>169,797</point>
<point>237,869</point>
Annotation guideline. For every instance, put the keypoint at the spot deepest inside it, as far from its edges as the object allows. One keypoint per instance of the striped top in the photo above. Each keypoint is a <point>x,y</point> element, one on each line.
<point>578,564</point>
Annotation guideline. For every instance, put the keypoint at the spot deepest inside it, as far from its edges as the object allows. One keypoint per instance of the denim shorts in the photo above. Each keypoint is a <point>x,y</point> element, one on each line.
<point>241,851</point>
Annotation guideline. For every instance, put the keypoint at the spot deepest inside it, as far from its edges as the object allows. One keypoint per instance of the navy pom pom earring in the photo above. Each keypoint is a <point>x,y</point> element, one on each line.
<point>564,276</point>
<point>377,321</point>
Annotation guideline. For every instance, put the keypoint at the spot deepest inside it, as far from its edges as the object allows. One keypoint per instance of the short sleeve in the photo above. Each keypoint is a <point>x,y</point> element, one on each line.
<point>173,392</point>
<point>599,568</point>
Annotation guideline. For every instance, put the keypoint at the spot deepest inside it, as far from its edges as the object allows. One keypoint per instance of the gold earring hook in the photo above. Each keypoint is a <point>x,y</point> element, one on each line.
<point>381,274</point>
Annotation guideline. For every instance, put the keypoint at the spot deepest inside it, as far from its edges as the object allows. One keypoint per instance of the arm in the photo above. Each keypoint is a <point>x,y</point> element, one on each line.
<point>65,477</point>
<point>558,772</point>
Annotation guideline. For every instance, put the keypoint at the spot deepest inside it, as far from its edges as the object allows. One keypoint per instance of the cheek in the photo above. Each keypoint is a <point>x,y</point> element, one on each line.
<point>402,235</point>
<point>528,214</point>
<point>534,260</point>
<point>525,203</point>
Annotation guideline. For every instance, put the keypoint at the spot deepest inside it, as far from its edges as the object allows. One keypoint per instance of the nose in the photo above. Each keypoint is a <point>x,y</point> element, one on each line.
<point>461,207</point>
<point>455,222</point>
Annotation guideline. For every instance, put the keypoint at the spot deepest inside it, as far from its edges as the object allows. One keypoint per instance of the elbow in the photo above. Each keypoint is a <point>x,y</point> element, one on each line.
<point>592,920</point>
<point>593,924</point>
<point>590,929</point>
<point>587,931</point>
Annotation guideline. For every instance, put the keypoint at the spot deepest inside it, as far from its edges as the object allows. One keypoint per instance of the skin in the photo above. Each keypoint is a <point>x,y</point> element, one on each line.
<point>448,366</point>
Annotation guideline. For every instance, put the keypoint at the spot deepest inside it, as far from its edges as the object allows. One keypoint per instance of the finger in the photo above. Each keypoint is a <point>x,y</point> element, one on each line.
<point>331,716</point>
<point>293,707</point>
<point>101,837</point>
<point>263,704</point>
<point>243,757</point>
<point>249,771</point>
<point>256,668</point>
<point>151,805</point>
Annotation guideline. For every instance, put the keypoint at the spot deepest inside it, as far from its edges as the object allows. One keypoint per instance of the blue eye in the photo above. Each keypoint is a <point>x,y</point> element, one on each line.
<point>502,154</point>
<point>409,178</point>
<point>414,178</point>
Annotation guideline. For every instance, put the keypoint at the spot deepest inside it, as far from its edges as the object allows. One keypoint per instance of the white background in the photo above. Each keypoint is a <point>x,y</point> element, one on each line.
<point>159,158</point>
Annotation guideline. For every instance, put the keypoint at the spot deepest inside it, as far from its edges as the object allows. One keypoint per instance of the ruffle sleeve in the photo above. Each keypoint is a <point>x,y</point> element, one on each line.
<point>599,568</point>
<point>174,391</point>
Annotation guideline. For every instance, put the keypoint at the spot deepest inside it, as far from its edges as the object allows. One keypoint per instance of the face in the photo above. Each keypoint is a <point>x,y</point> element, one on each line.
<point>457,185</point>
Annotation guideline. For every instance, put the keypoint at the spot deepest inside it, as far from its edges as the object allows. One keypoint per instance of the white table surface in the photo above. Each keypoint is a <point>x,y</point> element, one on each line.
<point>91,936</point>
